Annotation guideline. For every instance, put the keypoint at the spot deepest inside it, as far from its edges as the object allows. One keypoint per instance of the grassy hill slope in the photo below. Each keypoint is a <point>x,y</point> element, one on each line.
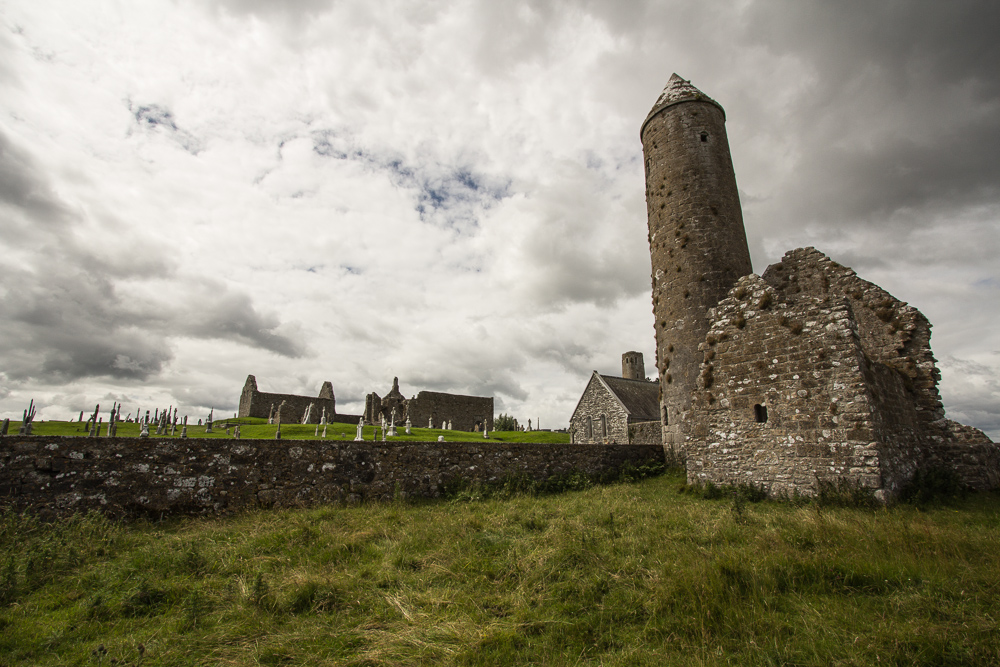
<point>253,428</point>
<point>627,574</point>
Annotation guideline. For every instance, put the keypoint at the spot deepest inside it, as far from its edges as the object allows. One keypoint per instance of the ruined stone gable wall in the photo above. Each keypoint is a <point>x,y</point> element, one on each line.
<point>254,403</point>
<point>294,408</point>
<point>132,477</point>
<point>833,412</point>
<point>903,441</point>
<point>373,408</point>
<point>464,412</point>
<point>891,331</point>
<point>969,452</point>
<point>595,402</point>
<point>803,363</point>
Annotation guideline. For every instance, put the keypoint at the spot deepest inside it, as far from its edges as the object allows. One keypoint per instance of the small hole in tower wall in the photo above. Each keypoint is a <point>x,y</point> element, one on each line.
<point>760,413</point>
<point>704,137</point>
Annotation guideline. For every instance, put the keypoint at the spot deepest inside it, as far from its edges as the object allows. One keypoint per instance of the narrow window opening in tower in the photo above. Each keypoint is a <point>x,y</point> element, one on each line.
<point>760,413</point>
<point>704,137</point>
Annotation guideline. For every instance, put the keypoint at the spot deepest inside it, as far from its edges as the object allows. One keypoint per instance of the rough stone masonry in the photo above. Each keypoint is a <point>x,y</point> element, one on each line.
<point>128,477</point>
<point>806,375</point>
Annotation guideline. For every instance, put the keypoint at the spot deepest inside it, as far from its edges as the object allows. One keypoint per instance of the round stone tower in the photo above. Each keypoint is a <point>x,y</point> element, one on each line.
<point>633,367</point>
<point>697,242</point>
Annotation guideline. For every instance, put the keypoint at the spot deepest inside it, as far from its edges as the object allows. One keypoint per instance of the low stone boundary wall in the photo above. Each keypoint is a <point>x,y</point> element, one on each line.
<point>129,477</point>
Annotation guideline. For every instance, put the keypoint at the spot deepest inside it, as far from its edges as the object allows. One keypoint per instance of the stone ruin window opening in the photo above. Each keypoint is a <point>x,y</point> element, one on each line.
<point>604,426</point>
<point>588,427</point>
<point>760,413</point>
<point>704,137</point>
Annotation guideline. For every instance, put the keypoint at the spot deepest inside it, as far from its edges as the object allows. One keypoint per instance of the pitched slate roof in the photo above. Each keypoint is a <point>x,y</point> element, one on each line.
<point>640,398</point>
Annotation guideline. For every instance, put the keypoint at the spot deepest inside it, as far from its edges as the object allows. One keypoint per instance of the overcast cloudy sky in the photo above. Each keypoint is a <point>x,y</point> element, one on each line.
<point>452,192</point>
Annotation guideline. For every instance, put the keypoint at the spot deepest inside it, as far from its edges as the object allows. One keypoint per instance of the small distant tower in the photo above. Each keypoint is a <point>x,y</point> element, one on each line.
<point>697,243</point>
<point>633,367</point>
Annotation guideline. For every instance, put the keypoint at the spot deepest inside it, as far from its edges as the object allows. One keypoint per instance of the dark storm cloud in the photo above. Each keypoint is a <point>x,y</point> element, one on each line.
<point>63,324</point>
<point>975,393</point>
<point>25,187</point>
<point>491,382</point>
<point>902,112</point>
<point>65,317</point>
<point>66,323</point>
<point>232,316</point>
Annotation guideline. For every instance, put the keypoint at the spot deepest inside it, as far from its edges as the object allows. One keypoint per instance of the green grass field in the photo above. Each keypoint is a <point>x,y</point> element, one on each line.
<point>626,574</point>
<point>259,428</point>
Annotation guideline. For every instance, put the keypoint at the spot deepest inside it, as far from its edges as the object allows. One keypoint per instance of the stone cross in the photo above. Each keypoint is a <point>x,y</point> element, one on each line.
<point>270,415</point>
<point>308,414</point>
<point>112,420</point>
<point>208,422</point>
<point>361,426</point>
<point>430,422</point>
<point>93,421</point>
<point>408,426</point>
<point>184,428</point>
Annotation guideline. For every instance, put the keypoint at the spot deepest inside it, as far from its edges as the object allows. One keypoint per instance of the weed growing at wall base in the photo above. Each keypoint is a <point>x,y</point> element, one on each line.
<point>622,574</point>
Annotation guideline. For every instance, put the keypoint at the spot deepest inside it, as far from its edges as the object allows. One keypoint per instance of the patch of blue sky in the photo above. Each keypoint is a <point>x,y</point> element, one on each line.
<point>153,116</point>
<point>445,195</point>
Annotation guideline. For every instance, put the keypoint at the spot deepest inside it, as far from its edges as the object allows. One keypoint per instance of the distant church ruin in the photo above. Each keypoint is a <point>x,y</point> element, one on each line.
<point>430,409</point>
<point>804,375</point>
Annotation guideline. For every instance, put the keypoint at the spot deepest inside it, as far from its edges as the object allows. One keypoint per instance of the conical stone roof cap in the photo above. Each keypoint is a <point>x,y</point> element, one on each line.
<point>679,90</point>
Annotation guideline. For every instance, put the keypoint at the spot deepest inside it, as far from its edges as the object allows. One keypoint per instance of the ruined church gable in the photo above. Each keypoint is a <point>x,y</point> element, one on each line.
<point>781,399</point>
<point>255,403</point>
<point>812,374</point>
<point>890,331</point>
